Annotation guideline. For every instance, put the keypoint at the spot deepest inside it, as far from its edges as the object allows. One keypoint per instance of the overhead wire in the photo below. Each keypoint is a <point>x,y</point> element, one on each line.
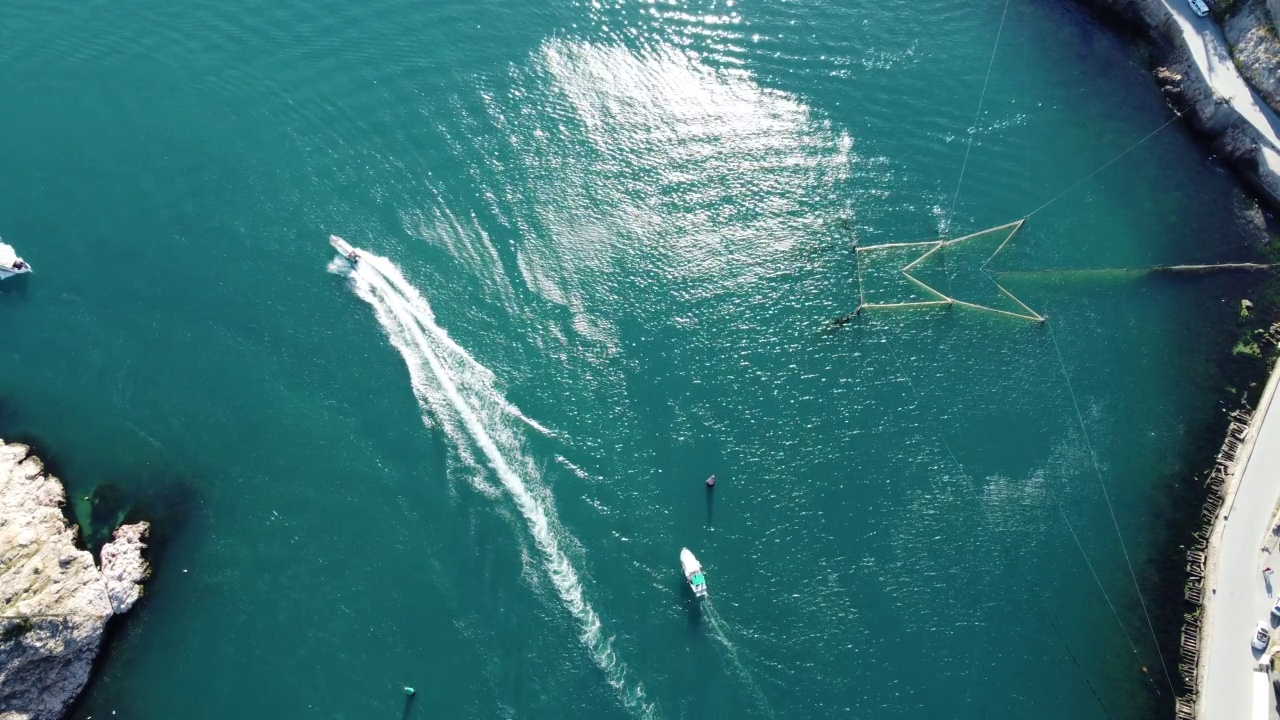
<point>919,399</point>
<point>1074,660</point>
<point>973,129</point>
<point>941,436</point>
<point>1070,529</point>
<point>1097,579</point>
<point>1105,165</point>
<point>1062,364</point>
<point>1093,456</point>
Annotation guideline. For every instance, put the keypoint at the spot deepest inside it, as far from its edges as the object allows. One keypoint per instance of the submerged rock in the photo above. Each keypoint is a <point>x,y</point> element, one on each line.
<point>54,600</point>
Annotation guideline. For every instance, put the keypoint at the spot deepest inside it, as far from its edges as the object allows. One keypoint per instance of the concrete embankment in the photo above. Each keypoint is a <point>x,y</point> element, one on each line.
<point>1198,74</point>
<point>55,601</point>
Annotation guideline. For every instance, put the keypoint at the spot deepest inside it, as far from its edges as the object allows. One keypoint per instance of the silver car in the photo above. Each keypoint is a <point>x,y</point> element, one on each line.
<point>1198,7</point>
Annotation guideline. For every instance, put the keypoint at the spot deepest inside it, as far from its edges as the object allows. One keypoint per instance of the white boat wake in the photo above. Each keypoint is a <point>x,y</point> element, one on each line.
<point>459,394</point>
<point>721,636</point>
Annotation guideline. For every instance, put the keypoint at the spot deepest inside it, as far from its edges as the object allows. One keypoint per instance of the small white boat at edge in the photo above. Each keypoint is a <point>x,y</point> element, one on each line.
<point>344,248</point>
<point>10,263</point>
<point>693,573</point>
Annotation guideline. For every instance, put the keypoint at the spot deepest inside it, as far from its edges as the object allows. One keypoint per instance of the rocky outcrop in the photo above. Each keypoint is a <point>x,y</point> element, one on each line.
<point>1256,48</point>
<point>1188,52</point>
<point>54,600</point>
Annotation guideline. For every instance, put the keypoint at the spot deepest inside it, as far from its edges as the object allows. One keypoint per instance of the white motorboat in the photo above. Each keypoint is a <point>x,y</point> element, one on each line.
<point>344,248</point>
<point>10,263</point>
<point>693,573</point>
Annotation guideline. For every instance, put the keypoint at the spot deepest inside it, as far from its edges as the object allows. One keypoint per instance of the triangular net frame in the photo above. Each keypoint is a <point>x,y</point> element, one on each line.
<point>937,298</point>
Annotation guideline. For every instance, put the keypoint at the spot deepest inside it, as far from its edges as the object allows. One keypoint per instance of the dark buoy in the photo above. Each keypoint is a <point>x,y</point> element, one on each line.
<point>711,481</point>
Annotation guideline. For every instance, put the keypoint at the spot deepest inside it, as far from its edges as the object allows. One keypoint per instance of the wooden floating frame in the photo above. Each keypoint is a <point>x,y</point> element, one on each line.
<point>942,299</point>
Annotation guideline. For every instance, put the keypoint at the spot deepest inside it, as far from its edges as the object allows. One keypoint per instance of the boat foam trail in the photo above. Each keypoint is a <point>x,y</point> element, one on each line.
<point>452,386</point>
<point>422,387</point>
<point>718,632</point>
<point>421,309</point>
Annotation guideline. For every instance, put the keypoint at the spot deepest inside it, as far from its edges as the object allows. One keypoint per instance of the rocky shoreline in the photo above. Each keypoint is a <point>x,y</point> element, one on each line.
<point>55,601</point>
<point>1226,86</point>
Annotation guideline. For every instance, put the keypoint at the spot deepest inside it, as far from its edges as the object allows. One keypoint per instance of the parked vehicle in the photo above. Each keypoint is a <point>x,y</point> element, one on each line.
<point>1261,637</point>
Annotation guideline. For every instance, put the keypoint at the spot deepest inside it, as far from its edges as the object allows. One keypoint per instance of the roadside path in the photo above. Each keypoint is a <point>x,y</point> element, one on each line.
<point>1239,596</point>
<point>1210,52</point>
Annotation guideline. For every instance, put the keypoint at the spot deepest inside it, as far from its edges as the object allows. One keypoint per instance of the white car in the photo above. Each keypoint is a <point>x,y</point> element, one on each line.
<point>1261,637</point>
<point>1198,7</point>
<point>1275,609</point>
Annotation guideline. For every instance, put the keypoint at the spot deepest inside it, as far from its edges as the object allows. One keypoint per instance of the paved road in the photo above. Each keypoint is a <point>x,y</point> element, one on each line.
<point>1210,52</point>
<point>1241,597</point>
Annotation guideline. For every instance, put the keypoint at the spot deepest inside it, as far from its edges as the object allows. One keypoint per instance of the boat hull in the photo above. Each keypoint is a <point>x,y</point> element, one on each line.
<point>10,263</point>
<point>343,247</point>
<point>693,574</point>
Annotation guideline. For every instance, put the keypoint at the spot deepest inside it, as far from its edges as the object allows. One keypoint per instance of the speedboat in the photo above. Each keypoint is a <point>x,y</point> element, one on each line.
<point>10,263</point>
<point>344,248</point>
<point>693,573</point>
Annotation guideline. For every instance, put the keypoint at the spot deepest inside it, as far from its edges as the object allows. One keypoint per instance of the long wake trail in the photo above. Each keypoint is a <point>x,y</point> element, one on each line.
<point>721,636</point>
<point>455,390</point>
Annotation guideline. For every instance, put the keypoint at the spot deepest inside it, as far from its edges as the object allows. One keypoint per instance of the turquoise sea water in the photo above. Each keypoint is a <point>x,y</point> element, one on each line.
<point>605,238</point>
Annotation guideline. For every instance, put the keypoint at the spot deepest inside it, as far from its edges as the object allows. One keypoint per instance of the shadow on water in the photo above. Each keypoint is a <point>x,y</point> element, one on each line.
<point>15,287</point>
<point>711,503</point>
<point>692,607</point>
<point>1230,379</point>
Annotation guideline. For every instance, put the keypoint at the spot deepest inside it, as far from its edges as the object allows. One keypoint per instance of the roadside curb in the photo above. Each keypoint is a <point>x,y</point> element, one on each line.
<point>1234,477</point>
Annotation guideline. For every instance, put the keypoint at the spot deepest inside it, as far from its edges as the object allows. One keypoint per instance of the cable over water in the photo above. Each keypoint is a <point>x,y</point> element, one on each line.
<point>458,392</point>
<point>1062,513</point>
<point>1080,546</point>
<point>1104,166</point>
<point>1074,660</point>
<point>1093,456</point>
<point>973,129</point>
<point>973,488</point>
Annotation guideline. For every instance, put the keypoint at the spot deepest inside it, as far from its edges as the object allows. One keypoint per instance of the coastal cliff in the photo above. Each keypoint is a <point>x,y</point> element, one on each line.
<point>54,600</point>
<point>1199,71</point>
